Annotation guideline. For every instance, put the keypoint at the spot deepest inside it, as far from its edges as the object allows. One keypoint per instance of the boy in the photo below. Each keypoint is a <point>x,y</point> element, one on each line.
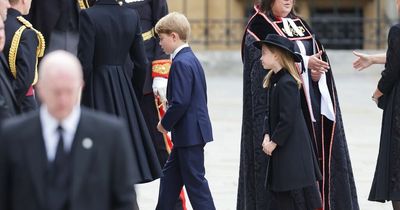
<point>186,117</point>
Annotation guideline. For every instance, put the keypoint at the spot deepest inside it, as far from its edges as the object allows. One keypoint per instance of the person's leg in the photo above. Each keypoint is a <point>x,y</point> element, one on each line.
<point>192,169</point>
<point>396,205</point>
<point>150,114</point>
<point>170,183</point>
<point>135,204</point>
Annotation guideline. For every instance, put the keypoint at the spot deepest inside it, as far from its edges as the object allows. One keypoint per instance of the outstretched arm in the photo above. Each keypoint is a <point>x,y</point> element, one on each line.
<point>363,60</point>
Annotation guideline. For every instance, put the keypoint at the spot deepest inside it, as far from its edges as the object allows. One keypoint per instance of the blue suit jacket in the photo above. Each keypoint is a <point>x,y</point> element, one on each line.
<point>187,114</point>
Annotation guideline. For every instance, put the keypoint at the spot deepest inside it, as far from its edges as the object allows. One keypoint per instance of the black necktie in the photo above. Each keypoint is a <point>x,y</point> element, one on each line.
<point>60,153</point>
<point>59,177</point>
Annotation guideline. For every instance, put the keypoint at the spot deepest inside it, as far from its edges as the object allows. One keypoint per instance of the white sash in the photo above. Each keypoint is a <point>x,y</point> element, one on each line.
<point>326,101</point>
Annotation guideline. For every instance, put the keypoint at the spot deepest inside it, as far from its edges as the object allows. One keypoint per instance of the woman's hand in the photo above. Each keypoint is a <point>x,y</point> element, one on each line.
<point>363,61</point>
<point>377,94</point>
<point>268,145</point>
<point>266,139</point>
<point>317,66</point>
<point>315,75</point>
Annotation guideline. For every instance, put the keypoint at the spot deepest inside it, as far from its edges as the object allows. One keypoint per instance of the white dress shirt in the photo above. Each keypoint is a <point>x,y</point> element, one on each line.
<point>176,51</point>
<point>50,133</point>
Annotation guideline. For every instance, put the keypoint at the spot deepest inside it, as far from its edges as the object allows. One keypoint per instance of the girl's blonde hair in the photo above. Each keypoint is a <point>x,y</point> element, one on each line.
<point>286,60</point>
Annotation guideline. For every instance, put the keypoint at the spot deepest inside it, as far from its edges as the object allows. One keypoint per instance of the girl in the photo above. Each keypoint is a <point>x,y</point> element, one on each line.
<point>292,172</point>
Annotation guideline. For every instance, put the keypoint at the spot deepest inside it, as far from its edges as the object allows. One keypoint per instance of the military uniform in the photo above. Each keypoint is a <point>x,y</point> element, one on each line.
<point>23,46</point>
<point>150,11</point>
<point>58,21</point>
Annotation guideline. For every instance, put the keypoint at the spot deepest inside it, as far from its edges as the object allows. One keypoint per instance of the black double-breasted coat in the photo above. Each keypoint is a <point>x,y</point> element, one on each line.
<point>109,33</point>
<point>293,164</point>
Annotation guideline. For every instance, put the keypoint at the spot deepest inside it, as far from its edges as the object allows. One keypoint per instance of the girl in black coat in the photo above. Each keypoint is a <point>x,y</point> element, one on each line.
<point>292,172</point>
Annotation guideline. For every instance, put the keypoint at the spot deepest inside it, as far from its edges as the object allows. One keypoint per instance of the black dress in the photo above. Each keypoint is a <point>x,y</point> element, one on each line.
<point>108,34</point>
<point>293,171</point>
<point>386,183</point>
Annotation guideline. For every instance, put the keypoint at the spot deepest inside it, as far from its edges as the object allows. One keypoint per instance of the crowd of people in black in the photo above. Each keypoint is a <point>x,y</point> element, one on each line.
<point>93,119</point>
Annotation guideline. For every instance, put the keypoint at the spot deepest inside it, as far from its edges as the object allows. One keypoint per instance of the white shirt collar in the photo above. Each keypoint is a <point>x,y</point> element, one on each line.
<point>176,51</point>
<point>49,128</point>
<point>69,124</point>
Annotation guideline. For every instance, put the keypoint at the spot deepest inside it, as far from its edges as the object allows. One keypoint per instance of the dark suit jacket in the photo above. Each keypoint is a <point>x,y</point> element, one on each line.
<point>187,113</point>
<point>44,14</point>
<point>102,176</point>
<point>293,164</point>
<point>26,54</point>
<point>8,102</point>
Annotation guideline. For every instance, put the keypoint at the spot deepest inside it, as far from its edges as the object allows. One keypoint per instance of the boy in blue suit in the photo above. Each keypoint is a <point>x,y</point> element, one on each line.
<point>186,117</point>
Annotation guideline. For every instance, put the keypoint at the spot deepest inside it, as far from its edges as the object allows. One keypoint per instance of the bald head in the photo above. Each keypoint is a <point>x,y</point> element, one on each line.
<point>59,62</point>
<point>60,82</point>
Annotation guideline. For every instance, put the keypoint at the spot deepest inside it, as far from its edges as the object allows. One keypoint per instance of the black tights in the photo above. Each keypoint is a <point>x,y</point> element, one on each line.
<point>396,205</point>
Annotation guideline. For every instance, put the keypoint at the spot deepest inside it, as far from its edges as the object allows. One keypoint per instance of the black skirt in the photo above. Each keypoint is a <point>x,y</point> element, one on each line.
<point>109,89</point>
<point>386,183</point>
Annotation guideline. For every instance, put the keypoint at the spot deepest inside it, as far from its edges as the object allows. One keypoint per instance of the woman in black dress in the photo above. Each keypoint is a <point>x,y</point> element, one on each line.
<point>386,183</point>
<point>109,34</point>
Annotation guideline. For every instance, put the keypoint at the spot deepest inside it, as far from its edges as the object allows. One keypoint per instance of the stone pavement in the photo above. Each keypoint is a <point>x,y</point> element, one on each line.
<point>362,120</point>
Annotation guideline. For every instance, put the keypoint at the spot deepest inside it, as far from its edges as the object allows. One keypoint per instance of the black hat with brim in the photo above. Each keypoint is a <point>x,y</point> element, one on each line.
<point>280,42</point>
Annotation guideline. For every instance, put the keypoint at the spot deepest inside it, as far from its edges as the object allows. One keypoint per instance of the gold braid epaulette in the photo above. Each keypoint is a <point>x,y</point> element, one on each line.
<point>83,4</point>
<point>12,57</point>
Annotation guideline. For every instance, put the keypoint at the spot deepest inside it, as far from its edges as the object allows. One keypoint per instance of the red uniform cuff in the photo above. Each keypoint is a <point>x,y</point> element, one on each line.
<point>30,91</point>
<point>160,68</point>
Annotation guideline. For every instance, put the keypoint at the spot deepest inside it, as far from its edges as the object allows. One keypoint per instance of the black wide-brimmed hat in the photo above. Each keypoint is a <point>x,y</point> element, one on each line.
<point>280,42</point>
